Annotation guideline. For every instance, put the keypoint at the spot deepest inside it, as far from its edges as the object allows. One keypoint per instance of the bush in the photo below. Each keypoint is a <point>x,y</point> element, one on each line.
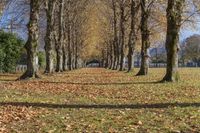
<point>10,50</point>
<point>41,59</point>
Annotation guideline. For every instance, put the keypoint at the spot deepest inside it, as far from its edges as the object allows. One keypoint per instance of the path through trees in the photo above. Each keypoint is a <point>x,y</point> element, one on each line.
<point>108,30</point>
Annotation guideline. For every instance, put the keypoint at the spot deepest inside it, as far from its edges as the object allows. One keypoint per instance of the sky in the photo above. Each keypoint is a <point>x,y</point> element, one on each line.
<point>187,33</point>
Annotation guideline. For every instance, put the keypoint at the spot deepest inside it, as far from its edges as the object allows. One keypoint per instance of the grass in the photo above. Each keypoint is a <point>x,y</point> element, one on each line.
<point>100,100</point>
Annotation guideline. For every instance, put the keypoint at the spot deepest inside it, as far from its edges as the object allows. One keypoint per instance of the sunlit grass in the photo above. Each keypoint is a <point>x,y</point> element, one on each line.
<point>119,102</point>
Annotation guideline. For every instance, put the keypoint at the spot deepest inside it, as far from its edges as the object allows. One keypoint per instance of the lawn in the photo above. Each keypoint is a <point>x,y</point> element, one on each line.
<point>101,100</point>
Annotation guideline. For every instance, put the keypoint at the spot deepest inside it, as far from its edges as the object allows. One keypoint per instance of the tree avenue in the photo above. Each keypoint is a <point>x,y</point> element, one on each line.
<point>111,31</point>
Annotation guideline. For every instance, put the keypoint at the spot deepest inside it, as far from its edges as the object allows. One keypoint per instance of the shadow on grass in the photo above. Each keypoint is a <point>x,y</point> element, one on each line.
<point>115,83</point>
<point>7,80</point>
<point>101,106</point>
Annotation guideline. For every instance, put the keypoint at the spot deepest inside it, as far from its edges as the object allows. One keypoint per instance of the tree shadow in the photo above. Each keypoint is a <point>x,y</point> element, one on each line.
<point>7,80</point>
<point>101,106</point>
<point>104,84</point>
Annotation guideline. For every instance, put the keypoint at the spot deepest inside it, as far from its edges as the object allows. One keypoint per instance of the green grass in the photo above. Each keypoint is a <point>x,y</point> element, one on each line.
<point>101,87</point>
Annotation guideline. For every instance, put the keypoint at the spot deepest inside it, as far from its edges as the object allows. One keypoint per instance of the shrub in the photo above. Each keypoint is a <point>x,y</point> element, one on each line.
<point>10,50</point>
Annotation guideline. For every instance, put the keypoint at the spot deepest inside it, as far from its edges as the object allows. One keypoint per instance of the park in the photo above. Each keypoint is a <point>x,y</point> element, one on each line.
<point>116,66</point>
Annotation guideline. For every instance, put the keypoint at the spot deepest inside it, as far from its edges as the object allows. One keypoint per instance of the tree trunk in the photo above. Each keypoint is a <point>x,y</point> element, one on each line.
<point>69,32</point>
<point>69,49</point>
<point>144,63</point>
<point>107,56</point>
<point>64,57</point>
<point>76,51</point>
<point>122,30</point>
<point>73,48</point>
<point>49,37</point>
<point>174,19</point>
<point>145,33</point>
<point>76,57</point>
<point>111,56</point>
<point>114,56</point>
<point>65,68</point>
<point>115,41</point>
<point>132,35</point>
<point>32,43</point>
<point>59,50</point>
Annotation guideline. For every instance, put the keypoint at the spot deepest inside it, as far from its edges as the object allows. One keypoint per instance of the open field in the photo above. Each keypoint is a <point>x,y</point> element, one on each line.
<point>100,100</point>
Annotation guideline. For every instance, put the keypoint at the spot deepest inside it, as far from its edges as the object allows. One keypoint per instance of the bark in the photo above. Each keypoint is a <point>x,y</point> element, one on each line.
<point>59,66</point>
<point>69,49</point>
<point>32,44</point>
<point>65,68</point>
<point>49,46</point>
<point>122,30</point>
<point>73,48</point>
<point>174,17</point>
<point>111,56</point>
<point>115,41</point>
<point>132,35</point>
<point>76,52</point>
<point>114,56</point>
<point>69,38</point>
<point>64,57</point>
<point>107,56</point>
<point>145,33</point>
<point>76,57</point>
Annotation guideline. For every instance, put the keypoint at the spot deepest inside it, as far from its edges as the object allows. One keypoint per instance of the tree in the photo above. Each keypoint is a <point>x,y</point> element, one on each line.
<point>146,7</point>
<point>115,40</point>
<point>59,44</point>
<point>192,48</point>
<point>49,39</point>
<point>132,35</point>
<point>122,33</point>
<point>31,45</point>
<point>174,21</point>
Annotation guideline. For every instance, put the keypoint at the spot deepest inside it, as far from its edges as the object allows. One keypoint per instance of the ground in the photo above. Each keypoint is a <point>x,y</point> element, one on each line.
<point>101,100</point>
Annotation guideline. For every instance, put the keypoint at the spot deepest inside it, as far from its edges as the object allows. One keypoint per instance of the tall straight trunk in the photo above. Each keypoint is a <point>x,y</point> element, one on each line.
<point>49,46</point>
<point>111,56</point>
<point>114,56</point>
<point>107,56</point>
<point>132,35</point>
<point>115,41</point>
<point>65,68</point>
<point>64,57</point>
<point>76,56</point>
<point>145,33</point>
<point>73,48</point>
<point>69,49</point>
<point>31,45</point>
<point>174,17</point>
<point>69,63</point>
<point>76,50</point>
<point>122,30</point>
<point>59,67</point>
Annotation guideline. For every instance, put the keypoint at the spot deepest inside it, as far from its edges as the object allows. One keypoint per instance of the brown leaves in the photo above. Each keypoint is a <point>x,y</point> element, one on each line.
<point>10,115</point>
<point>101,87</point>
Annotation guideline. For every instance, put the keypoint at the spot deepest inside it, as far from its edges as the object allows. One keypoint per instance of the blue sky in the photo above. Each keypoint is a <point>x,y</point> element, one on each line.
<point>187,33</point>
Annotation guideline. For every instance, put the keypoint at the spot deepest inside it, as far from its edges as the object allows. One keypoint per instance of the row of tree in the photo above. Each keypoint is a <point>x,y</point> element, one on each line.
<point>144,22</point>
<point>117,30</point>
<point>63,36</point>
